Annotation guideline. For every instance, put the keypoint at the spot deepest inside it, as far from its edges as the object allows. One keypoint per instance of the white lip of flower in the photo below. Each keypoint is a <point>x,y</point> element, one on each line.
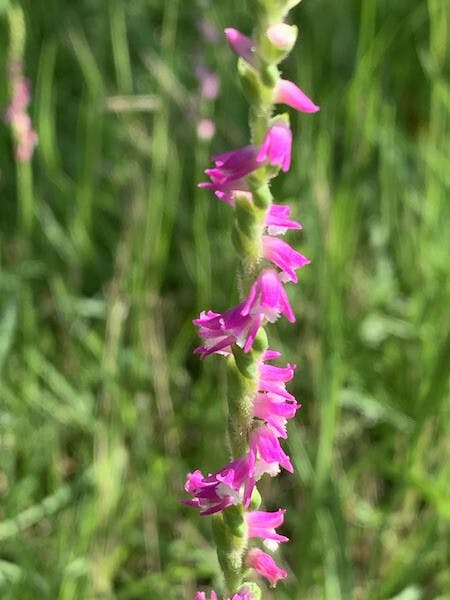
<point>271,545</point>
<point>223,490</point>
<point>262,467</point>
<point>276,230</point>
<point>241,339</point>
<point>271,314</point>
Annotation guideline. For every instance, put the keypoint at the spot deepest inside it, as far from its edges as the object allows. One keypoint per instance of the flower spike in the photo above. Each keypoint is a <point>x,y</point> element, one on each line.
<point>259,405</point>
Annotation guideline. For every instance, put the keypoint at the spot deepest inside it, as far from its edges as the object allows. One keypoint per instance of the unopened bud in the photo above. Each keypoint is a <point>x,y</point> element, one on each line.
<point>282,36</point>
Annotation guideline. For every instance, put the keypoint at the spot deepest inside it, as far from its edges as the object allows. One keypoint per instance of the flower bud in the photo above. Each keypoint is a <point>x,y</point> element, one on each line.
<point>282,36</point>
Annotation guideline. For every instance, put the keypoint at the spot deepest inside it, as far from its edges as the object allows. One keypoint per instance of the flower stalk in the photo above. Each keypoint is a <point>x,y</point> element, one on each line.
<point>16,115</point>
<point>259,404</point>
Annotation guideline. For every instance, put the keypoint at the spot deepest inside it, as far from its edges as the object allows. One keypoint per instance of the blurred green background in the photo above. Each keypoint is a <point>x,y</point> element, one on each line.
<point>108,250</point>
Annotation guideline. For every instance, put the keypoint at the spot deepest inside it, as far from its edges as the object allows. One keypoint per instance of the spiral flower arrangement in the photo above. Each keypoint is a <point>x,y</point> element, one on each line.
<point>259,404</point>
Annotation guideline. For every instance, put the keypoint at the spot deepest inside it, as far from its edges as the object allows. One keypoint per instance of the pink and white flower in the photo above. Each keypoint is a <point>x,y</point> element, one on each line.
<point>278,219</point>
<point>233,484</point>
<point>268,299</point>
<point>272,402</point>
<point>273,378</point>
<point>281,254</point>
<point>265,565</point>
<point>239,325</point>
<point>220,331</point>
<point>231,167</point>
<point>274,411</point>
<point>262,524</point>
<point>266,452</point>
<point>277,145</point>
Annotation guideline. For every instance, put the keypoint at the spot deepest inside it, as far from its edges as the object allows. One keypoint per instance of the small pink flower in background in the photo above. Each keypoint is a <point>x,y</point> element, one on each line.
<point>26,138</point>
<point>209,82</point>
<point>265,565</point>
<point>278,220</point>
<point>266,453</point>
<point>286,92</point>
<point>241,45</point>
<point>206,129</point>
<point>208,31</point>
<point>276,147</point>
<point>263,524</point>
<point>231,485</point>
<point>283,256</point>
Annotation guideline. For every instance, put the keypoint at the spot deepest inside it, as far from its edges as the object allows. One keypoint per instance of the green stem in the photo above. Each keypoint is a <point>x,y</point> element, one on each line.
<point>25,195</point>
<point>250,216</point>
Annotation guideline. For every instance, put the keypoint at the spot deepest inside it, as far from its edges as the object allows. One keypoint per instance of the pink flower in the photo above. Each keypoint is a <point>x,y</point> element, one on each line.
<point>286,92</point>
<point>26,138</point>
<point>283,256</point>
<point>202,596</point>
<point>240,324</point>
<point>233,166</point>
<point>278,221</point>
<point>273,378</point>
<point>220,331</point>
<point>265,565</point>
<point>206,129</point>
<point>209,82</point>
<point>231,485</point>
<point>208,31</point>
<point>243,594</point>
<point>241,45</point>
<point>275,411</point>
<point>266,453</point>
<point>262,524</point>
<point>230,169</point>
<point>268,299</point>
<point>276,147</point>
<point>273,403</point>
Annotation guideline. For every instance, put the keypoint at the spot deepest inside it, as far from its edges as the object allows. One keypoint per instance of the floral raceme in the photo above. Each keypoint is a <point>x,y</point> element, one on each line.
<point>259,404</point>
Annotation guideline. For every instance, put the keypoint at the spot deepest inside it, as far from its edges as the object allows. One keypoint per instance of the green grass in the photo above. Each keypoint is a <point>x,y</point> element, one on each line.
<point>108,250</point>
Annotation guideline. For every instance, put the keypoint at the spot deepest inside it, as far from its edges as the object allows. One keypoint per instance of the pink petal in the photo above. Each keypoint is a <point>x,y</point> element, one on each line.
<point>265,565</point>
<point>241,45</point>
<point>286,92</point>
